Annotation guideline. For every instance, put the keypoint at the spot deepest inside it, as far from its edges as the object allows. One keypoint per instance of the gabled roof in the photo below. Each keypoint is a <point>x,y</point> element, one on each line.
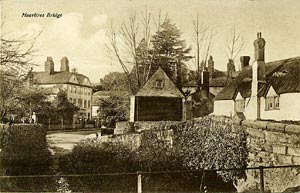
<point>60,78</point>
<point>168,89</point>
<point>283,75</point>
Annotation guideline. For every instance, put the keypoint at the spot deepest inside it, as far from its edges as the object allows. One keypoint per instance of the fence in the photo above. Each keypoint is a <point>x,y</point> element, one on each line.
<point>136,181</point>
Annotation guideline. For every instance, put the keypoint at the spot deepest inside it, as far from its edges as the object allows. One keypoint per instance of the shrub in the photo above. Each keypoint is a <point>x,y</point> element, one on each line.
<point>212,144</point>
<point>24,152</point>
<point>24,149</point>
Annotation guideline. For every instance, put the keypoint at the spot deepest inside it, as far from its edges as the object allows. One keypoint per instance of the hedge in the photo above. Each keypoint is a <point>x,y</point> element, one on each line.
<point>24,151</point>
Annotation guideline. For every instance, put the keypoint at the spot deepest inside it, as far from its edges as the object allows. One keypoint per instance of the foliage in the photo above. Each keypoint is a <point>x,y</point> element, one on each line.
<point>63,186</point>
<point>213,145</point>
<point>90,157</point>
<point>114,109</point>
<point>16,55</point>
<point>24,149</point>
<point>169,49</point>
<point>115,81</point>
<point>12,92</point>
<point>63,107</point>
<point>155,154</point>
<point>146,52</point>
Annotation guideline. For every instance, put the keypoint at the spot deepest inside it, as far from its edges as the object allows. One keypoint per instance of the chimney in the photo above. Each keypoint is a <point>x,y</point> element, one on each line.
<point>49,66</point>
<point>259,46</point>
<point>64,64</point>
<point>244,61</point>
<point>211,66</point>
<point>258,75</point>
<point>230,67</point>
<point>74,70</point>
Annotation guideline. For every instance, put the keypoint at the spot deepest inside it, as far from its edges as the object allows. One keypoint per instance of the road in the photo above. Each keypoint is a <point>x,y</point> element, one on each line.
<point>64,141</point>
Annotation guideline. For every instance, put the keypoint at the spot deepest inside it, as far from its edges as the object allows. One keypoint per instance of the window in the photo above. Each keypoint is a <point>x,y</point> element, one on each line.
<point>84,103</point>
<point>239,105</point>
<point>89,103</point>
<point>79,102</point>
<point>70,100</point>
<point>272,103</point>
<point>159,83</point>
<point>74,101</point>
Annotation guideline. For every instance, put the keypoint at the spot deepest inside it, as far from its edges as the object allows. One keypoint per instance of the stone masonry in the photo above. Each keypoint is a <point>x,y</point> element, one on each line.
<point>272,144</point>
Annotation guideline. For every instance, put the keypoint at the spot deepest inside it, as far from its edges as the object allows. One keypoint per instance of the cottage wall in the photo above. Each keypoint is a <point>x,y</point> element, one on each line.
<point>224,107</point>
<point>289,108</point>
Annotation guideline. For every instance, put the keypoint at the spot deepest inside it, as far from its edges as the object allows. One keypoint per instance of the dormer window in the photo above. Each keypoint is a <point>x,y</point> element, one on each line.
<point>272,103</point>
<point>159,83</point>
<point>239,105</point>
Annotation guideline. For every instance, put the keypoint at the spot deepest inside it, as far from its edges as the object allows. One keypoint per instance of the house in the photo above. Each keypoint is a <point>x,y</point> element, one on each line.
<point>77,86</point>
<point>158,100</point>
<point>266,91</point>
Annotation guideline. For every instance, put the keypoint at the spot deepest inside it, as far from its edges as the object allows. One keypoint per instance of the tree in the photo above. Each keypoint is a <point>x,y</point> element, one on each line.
<point>64,108</point>
<point>202,36</point>
<point>114,109</point>
<point>234,45</point>
<point>16,63</point>
<point>169,49</point>
<point>115,81</point>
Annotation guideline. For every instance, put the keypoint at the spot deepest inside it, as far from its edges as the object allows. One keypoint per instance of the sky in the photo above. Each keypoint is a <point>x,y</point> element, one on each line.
<point>80,34</point>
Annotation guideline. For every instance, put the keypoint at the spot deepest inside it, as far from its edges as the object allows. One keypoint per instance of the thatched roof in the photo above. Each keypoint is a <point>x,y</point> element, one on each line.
<point>282,75</point>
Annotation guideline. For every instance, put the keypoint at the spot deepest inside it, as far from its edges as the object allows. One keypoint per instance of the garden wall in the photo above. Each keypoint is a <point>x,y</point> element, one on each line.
<point>272,144</point>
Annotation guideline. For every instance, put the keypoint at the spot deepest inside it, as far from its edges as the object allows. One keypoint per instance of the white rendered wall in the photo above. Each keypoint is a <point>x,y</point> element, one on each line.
<point>132,108</point>
<point>289,108</point>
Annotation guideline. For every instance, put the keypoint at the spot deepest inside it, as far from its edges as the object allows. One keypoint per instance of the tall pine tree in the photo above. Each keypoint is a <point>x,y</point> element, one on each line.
<point>169,49</point>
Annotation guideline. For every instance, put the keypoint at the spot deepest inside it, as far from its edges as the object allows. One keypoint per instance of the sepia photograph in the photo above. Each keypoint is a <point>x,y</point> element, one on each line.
<point>150,96</point>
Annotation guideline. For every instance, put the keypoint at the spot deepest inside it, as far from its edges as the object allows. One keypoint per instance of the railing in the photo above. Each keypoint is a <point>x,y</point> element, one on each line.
<point>140,174</point>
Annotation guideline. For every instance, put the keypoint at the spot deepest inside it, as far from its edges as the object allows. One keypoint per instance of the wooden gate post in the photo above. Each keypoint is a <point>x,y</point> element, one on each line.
<point>139,182</point>
<point>262,186</point>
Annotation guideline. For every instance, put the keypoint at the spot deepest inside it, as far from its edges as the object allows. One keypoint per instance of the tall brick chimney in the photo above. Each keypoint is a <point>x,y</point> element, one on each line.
<point>64,64</point>
<point>259,46</point>
<point>259,52</point>
<point>49,66</point>
<point>211,66</point>
<point>244,61</point>
<point>253,110</point>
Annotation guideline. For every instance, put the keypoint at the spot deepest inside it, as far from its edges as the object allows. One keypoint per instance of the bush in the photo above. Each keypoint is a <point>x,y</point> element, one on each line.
<point>24,149</point>
<point>212,144</point>
<point>91,157</point>
<point>206,143</point>
<point>24,152</point>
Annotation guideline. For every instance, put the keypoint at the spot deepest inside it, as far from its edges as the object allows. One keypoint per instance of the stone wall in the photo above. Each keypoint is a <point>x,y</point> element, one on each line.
<point>272,144</point>
<point>133,140</point>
